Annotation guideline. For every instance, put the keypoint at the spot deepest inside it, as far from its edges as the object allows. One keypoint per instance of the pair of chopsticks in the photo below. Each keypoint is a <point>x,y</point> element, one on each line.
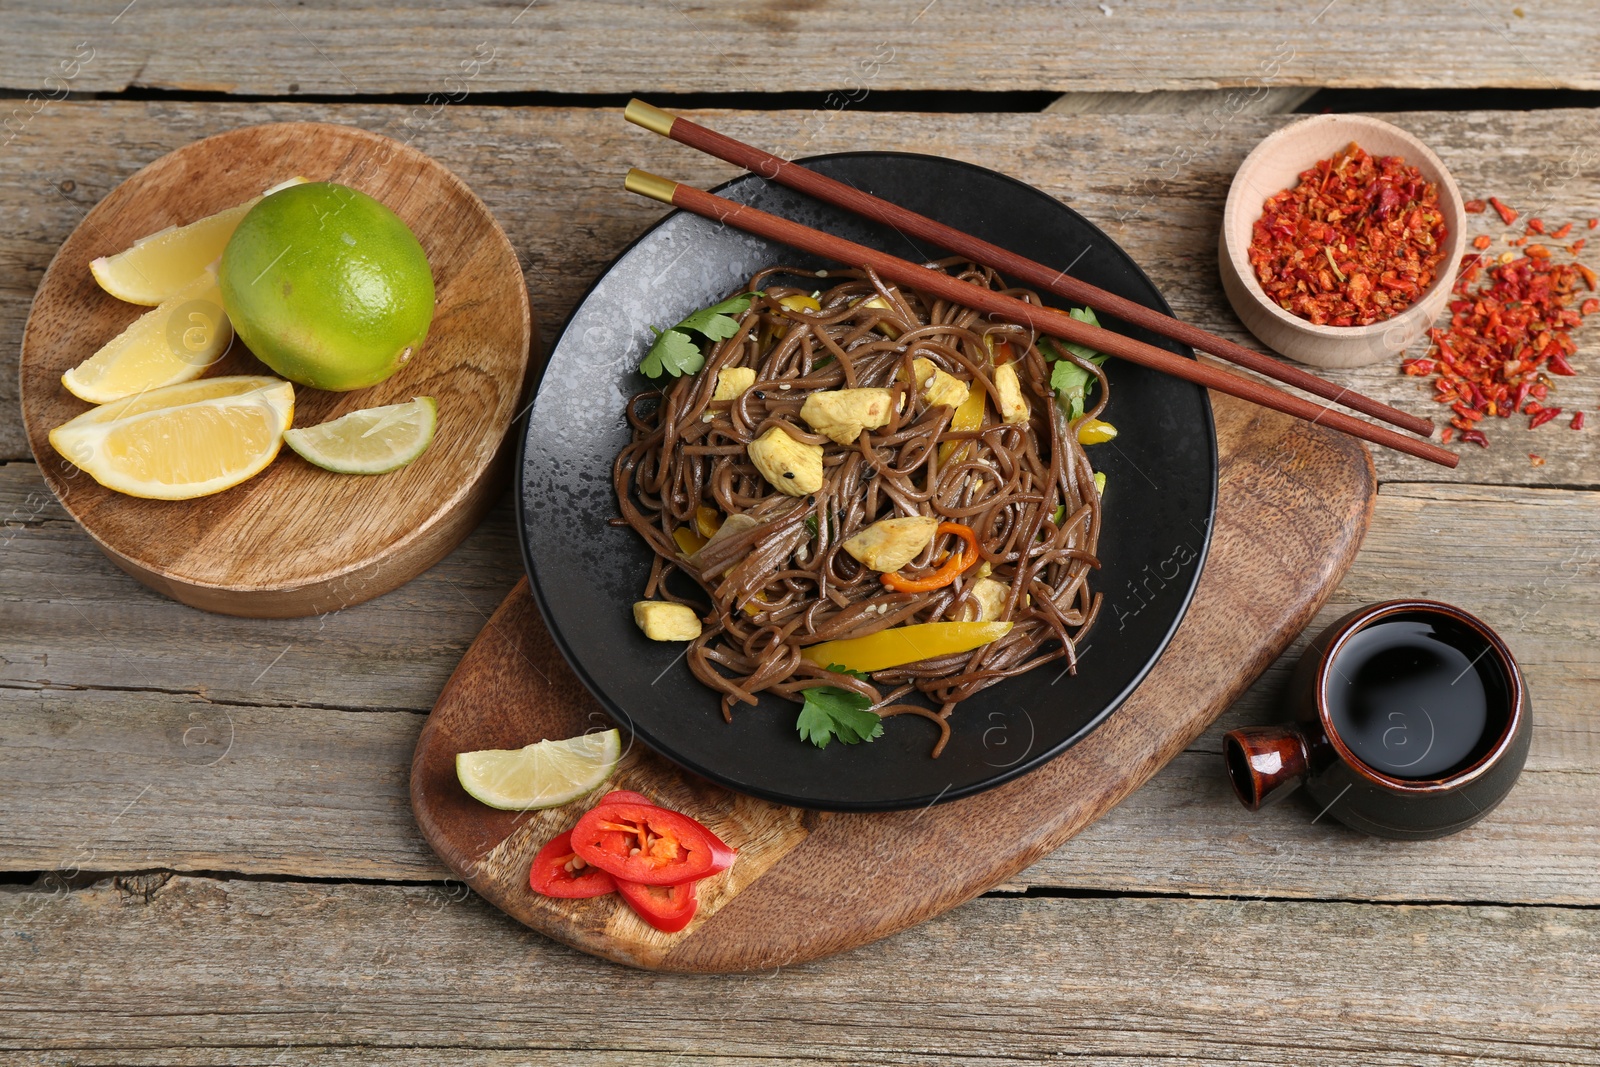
<point>1041,319</point>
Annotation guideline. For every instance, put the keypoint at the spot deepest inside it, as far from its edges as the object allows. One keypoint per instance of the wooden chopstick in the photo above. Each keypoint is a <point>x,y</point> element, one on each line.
<point>1008,263</point>
<point>1042,319</point>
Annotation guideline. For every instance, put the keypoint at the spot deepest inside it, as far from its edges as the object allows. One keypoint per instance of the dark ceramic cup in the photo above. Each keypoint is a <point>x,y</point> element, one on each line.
<point>1364,742</point>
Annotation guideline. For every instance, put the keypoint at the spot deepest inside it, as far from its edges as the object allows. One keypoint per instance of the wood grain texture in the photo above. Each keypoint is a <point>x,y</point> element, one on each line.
<point>72,755</point>
<point>297,540</point>
<point>612,46</point>
<point>417,973</point>
<point>1293,504</point>
<point>553,179</point>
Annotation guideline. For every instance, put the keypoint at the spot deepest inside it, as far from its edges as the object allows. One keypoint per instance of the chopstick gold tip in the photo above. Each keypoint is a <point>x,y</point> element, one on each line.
<point>652,185</point>
<point>650,117</point>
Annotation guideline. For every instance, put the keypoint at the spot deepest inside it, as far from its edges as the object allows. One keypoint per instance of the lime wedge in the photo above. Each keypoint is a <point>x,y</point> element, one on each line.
<point>542,775</point>
<point>369,441</point>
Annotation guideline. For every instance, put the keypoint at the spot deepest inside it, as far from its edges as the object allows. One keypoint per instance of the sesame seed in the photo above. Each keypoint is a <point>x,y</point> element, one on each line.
<point>785,387</point>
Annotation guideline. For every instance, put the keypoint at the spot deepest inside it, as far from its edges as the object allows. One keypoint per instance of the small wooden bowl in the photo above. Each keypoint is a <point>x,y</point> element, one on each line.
<point>297,540</point>
<point>1274,165</point>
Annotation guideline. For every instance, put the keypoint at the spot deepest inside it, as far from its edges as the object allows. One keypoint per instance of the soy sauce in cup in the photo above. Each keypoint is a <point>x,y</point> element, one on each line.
<point>1410,695</point>
<point>1411,719</point>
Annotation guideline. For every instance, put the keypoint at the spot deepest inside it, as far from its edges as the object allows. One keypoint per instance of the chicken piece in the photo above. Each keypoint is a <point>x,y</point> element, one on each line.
<point>986,602</point>
<point>732,382</point>
<point>662,621</point>
<point>793,468</point>
<point>889,544</point>
<point>938,387</point>
<point>843,413</point>
<point>1013,406</point>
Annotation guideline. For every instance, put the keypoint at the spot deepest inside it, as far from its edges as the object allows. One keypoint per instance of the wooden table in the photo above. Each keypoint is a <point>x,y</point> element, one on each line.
<point>209,854</point>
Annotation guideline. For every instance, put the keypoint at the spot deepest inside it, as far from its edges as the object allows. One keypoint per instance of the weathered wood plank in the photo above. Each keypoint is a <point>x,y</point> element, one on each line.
<point>143,965</point>
<point>302,780</point>
<point>552,178</point>
<point>612,46</point>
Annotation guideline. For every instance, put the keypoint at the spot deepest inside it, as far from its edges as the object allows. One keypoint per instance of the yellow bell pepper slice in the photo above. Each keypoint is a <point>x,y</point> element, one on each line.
<point>688,541</point>
<point>1095,432</point>
<point>905,644</point>
<point>707,520</point>
<point>882,305</point>
<point>793,302</point>
<point>969,416</point>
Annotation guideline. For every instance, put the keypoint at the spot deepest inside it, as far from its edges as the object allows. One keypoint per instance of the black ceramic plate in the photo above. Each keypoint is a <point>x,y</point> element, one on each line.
<point>1161,488</point>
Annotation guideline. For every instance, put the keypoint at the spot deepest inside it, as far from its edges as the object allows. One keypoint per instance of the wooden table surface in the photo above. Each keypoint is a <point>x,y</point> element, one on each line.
<point>206,853</point>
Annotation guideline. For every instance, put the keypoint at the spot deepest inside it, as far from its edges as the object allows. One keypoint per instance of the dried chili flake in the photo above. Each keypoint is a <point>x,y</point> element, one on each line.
<point>1566,228</point>
<point>1536,460</point>
<point>1542,416</point>
<point>1445,435</point>
<point>1481,241</point>
<point>1357,241</point>
<point>1593,223</point>
<point>1473,207</point>
<point>1577,246</point>
<point>1534,226</point>
<point>1577,421</point>
<point>1510,331</point>
<point>1507,215</point>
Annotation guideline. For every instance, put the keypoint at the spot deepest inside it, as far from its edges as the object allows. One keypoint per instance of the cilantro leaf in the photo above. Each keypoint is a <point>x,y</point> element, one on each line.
<point>811,525</point>
<point>674,352</point>
<point>717,321</point>
<point>831,712</point>
<point>1070,381</point>
<point>838,668</point>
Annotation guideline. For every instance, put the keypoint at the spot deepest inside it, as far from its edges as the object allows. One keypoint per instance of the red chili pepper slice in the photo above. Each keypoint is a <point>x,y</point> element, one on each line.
<point>647,844</point>
<point>669,908</point>
<point>553,874</point>
<point>1474,437</point>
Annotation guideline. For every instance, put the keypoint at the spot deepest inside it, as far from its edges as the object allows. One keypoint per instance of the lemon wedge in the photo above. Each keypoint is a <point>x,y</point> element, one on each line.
<point>369,441</point>
<point>184,441</point>
<point>153,268</point>
<point>173,343</point>
<point>542,775</point>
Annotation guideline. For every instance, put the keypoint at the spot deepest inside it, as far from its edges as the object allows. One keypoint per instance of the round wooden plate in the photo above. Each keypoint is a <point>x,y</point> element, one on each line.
<point>297,540</point>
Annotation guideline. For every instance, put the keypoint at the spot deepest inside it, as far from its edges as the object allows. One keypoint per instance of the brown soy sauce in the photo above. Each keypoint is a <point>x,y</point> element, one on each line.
<point>1417,696</point>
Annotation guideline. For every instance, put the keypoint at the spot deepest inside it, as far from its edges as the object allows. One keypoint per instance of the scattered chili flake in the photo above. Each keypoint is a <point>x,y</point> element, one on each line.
<point>1357,241</point>
<point>1577,246</point>
<point>1507,215</point>
<point>1445,435</point>
<point>1473,207</point>
<point>1577,421</point>
<point>1481,241</point>
<point>1542,416</point>
<point>1566,228</point>
<point>1593,223</point>
<point>1509,335</point>
<point>1534,226</point>
<point>1535,459</point>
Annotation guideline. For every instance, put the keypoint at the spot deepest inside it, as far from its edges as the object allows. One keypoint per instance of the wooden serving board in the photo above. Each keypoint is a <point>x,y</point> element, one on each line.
<point>297,540</point>
<point>1293,506</point>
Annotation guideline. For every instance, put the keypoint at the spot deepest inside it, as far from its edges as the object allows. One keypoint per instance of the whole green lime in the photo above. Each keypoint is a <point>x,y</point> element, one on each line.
<point>327,286</point>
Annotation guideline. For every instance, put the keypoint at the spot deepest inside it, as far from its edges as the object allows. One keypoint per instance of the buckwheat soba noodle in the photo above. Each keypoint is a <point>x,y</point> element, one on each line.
<point>767,475</point>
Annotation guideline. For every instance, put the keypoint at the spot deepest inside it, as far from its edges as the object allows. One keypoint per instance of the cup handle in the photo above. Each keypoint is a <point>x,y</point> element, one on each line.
<point>1265,763</point>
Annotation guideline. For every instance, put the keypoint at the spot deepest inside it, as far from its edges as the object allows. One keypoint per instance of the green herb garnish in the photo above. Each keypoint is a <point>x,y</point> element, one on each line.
<point>676,353</point>
<point>1071,382</point>
<point>831,712</point>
